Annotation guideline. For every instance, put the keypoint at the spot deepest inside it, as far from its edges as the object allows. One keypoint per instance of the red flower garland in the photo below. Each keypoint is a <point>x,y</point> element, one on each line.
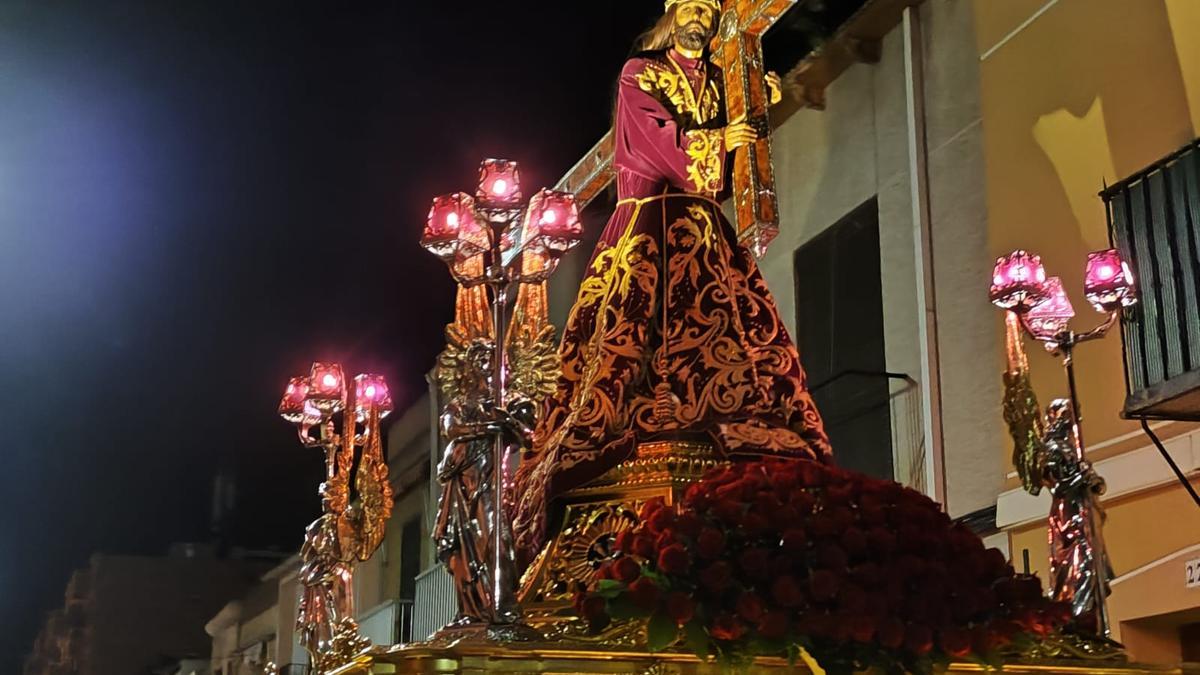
<point>771,556</point>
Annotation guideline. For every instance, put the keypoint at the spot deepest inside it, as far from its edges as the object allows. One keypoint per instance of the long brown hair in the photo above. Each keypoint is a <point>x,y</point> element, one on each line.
<point>660,36</point>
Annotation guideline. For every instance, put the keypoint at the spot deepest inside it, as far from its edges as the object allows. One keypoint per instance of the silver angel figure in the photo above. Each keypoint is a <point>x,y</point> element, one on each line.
<point>327,603</point>
<point>1079,564</point>
<point>469,505</point>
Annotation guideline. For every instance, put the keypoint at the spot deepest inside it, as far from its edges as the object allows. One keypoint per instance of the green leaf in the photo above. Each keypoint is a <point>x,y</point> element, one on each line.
<point>609,588</point>
<point>697,638</point>
<point>661,632</point>
<point>623,607</point>
<point>657,577</point>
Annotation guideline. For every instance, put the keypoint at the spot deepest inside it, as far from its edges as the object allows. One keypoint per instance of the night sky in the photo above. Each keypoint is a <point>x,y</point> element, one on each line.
<point>197,199</point>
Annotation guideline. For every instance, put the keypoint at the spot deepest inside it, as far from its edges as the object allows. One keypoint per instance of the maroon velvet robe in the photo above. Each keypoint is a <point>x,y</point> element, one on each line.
<point>674,333</point>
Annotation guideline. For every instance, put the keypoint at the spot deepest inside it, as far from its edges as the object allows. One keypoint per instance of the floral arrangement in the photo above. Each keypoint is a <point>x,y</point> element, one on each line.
<point>795,559</point>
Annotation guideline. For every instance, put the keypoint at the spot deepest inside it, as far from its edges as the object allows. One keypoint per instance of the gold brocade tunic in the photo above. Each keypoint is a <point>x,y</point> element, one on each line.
<point>674,333</point>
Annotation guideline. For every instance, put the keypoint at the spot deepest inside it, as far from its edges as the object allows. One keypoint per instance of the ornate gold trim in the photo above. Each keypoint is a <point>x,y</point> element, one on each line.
<point>704,148</point>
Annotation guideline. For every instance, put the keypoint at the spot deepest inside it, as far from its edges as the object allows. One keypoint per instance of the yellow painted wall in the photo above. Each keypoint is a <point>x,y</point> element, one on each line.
<point>1087,92</point>
<point>1140,529</point>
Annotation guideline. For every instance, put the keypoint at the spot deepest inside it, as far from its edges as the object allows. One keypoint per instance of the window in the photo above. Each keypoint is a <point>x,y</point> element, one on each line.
<point>1154,219</point>
<point>839,324</point>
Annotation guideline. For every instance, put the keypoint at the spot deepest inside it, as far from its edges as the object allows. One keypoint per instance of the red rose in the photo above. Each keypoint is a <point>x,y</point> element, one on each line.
<point>891,633</point>
<point>868,575</point>
<point>766,503</point>
<point>592,609</point>
<point>862,628</point>
<point>750,607</point>
<point>811,474</point>
<point>822,525</point>
<point>626,569</point>
<point>660,520</point>
<point>854,542</point>
<point>872,515</point>
<point>650,508</point>
<point>755,562</point>
<point>716,577</point>
<point>995,564</point>
<point>605,571</point>
<point>680,607</point>
<point>786,592</point>
<point>831,556</point>
<point>794,540</point>
<point>852,599</point>
<point>823,585</point>
<point>956,642</point>
<point>688,524</point>
<point>918,639</point>
<point>774,625</point>
<point>726,627</point>
<point>624,541</point>
<point>754,523</point>
<point>710,543</point>
<point>880,542</point>
<point>674,559</point>
<point>803,502</point>
<point>644,594</point>
<point>784,517</point>
<point>643,546</point>
<point>665,538</point>
<point>728,511</point>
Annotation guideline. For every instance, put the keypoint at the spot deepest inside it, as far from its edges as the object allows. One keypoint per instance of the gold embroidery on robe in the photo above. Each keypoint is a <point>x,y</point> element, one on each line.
<point>671,87</point>
<point>705,170</point>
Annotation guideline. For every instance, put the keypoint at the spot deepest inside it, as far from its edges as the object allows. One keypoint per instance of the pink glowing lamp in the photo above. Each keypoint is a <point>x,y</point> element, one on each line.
<point>453,231</point>
<point>499,183</point>
<point>371,391</point>
<point>294,407</point>
<point>552,224</point>
<point>326,387</point>
<point>1018,282</point>
<point>1108,282</point>
<point>1051,316</point>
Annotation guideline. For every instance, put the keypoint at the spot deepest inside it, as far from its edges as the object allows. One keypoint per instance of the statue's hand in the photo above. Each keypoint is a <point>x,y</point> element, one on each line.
<point>775,85</point>
<point>739,134</point>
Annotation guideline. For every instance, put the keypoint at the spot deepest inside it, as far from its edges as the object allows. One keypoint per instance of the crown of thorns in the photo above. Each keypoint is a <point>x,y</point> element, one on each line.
<point>715,4</point>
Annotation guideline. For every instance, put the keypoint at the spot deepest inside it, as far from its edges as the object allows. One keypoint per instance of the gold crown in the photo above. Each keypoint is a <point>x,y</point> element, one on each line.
<point>715,4</point>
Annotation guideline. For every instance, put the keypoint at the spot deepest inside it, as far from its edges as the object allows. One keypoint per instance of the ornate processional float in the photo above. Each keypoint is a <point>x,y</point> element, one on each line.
<point>655,494</point>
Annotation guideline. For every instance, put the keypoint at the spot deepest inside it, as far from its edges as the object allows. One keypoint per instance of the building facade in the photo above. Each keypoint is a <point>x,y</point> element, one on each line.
<point>135,614</point>
<point>986,126</point>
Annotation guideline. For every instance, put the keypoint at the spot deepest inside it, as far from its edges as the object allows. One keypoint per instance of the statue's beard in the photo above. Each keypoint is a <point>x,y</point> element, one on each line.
<point>692,36</point>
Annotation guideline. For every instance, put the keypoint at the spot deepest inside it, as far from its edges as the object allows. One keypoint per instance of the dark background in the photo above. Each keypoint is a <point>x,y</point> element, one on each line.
<point>197,200</point>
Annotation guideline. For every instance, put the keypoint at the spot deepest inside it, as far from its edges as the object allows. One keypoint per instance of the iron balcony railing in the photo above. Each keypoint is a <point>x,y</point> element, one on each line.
<point>1154,219</point>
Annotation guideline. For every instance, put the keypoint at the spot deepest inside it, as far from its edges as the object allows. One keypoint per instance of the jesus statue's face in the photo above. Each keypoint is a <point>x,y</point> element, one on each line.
<point>695,24</point>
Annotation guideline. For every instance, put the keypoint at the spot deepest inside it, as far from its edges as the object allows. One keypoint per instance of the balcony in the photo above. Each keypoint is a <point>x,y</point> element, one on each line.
<point>1154,219</point>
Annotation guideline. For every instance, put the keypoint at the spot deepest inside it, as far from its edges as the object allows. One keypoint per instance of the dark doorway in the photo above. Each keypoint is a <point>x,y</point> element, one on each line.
<point>839,323</point>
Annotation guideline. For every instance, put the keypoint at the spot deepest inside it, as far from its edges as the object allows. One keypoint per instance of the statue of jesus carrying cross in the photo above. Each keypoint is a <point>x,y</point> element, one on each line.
<point>674,333</point>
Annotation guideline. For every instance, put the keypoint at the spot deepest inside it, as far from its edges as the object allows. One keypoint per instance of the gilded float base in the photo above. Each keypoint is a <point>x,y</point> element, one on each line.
<point>467,657</point>
<point>593,517</point>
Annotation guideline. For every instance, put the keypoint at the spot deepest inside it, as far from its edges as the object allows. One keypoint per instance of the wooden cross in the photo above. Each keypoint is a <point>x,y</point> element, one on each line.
<point>737,48</point>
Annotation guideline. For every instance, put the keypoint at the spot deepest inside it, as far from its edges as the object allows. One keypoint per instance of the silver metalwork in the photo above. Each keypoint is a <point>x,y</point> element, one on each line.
<point>1080,569</point>
<point>491,381</point>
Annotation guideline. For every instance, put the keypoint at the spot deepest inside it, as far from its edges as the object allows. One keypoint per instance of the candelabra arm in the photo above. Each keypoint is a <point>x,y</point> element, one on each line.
<point>1101,330</point>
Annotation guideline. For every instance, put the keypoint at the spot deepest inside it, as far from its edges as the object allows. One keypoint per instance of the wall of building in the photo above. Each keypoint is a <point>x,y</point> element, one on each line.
<point>1077,94</point>
<point>829,162</point>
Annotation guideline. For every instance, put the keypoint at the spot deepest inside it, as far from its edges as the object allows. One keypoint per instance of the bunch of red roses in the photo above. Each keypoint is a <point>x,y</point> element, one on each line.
<point>770,557</point>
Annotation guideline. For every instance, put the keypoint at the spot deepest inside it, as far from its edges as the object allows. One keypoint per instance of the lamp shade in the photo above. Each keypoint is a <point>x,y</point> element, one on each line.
<point>294,407</point>
<point>453,231</point>
<point>552,223</point>
<point>371,391</point>
<point>1108,282</point>
<point>1051,316</point>
<point>499,183</point>
<point>1018,282</point>
<point>326,387</point>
